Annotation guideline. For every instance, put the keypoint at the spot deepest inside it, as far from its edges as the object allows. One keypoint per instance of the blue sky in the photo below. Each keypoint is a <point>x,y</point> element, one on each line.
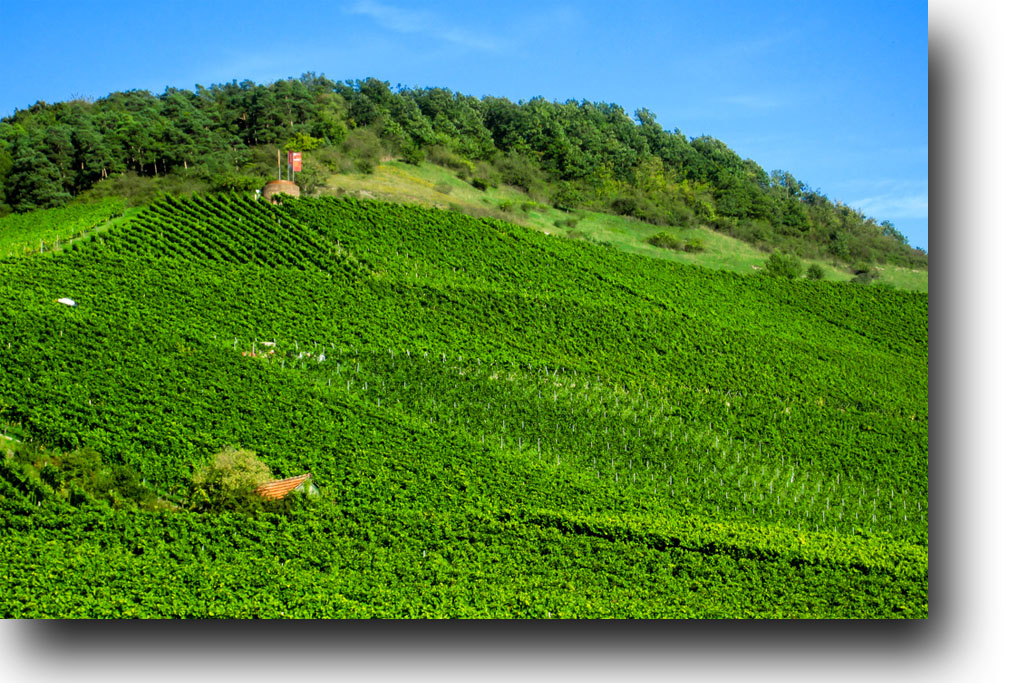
<point>835,93</point>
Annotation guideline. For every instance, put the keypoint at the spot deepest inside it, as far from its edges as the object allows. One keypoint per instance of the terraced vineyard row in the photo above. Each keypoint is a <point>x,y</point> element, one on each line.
<point>49,229</point>
<point>223,229</point>
<point>678,445</point>
<point>501,423</point>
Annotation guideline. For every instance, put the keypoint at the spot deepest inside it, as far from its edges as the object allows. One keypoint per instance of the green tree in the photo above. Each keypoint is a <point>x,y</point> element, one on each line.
<point>303,142</point>
<point>815,272</point>
<point>6,163</point>
<point>93,157</point>
<point>783,265</point>
<point>34,181</point>
<point>230,479</point>
<point>889,230</point>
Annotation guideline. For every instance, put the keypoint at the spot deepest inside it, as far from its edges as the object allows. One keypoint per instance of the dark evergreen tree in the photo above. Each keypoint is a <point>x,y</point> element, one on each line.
<point>34,181</point>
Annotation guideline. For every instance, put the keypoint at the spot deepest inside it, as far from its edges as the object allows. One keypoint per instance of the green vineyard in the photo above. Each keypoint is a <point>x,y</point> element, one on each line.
<point>501,423</point>
<point>48,230</point>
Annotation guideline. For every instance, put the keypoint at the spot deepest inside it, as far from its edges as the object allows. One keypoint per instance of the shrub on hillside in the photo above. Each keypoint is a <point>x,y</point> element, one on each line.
<point>519,171</point>
<point>566,197</point>
<point>364,148</point>
<point>229,481</point>
<point>693,245</point>
<point>412,154</point>
<point>863,273</point>
<point>442,156</point>
<point>312,178</point>
<point>665,241</point>
<point>815,272</point>
<point>225,182</point>
<point>783,265</point>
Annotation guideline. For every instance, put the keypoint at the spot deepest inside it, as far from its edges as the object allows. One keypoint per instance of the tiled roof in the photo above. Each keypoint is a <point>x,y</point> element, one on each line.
<point>281,487</point>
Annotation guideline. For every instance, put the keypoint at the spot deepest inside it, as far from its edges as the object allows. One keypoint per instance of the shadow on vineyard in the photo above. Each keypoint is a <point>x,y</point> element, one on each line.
<point>503,424</point>
<point>35,475</point>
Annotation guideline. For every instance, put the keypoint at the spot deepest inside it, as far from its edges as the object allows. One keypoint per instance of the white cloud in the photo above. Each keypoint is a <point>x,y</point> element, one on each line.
<point>409,21</point>
<point>752,101</point>
<point>894,205</point>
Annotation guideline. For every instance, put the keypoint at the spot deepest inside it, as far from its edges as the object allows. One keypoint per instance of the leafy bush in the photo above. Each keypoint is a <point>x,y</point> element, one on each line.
<point>311,179</point>
<point>303,142</point>
<point>364,148</point>
<point>519,171</point>
<point>224,182</point>
<point>412,154</point>
<point>442,156</point>
<point>566,197</point>
<point>229,481</point>
<point>625,206</point>
<point>479,184</point>
<point>665,241</point>
<point>863,273</point>
<point>693,245</point>
<point>815,272</point>
<point>783,265</point>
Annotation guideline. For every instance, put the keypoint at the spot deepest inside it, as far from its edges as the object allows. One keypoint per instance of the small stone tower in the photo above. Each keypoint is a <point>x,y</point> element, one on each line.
<point>278,187</point>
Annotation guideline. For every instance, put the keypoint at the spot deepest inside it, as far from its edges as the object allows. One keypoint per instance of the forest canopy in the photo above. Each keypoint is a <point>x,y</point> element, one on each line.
<point>572,154</point>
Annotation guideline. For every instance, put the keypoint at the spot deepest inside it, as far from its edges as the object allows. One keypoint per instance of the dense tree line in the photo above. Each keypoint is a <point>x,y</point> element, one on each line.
<point>572,154</point>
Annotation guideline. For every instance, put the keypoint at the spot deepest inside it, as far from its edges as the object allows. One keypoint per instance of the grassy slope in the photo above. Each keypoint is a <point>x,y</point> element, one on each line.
<point>397,181</point>
<point>456,526</point>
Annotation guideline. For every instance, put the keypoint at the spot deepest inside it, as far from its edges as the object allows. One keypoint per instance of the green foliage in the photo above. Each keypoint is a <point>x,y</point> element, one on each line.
<point>580,154</point>
<point>236,183</point>
<point>519,171</point>
<point>693,245</point>
<point>503,423</point>
<point>303,142</point>
<point>45,230</point>
<point>443,156</point>
<point>33,181</point>
<point>365,149</point>
<point>311,179</point>
<point>864,273</point>
<point>566,197</point>
<point>783,265</point>
<point>665,241</point>
<point>77,478</point>
<point>229,481</point>
<point>815,272</point>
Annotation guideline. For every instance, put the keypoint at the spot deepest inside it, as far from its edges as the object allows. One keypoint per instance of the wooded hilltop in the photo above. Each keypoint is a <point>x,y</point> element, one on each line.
<point>573,154</point>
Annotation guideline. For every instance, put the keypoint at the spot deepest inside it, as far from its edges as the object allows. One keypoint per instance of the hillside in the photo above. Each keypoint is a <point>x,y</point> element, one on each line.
<point>501,424</point>
<point>433,185</point>
<point>575,156</point>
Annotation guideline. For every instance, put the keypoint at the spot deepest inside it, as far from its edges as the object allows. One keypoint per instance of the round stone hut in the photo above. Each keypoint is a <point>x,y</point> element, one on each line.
<point>280,187</point>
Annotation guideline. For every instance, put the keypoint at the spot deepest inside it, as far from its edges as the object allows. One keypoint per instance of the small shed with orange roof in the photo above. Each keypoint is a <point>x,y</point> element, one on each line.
<point>275,490</point>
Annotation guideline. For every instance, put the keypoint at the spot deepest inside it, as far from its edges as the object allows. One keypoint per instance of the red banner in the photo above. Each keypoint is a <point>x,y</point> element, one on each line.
<point>295,161</point>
